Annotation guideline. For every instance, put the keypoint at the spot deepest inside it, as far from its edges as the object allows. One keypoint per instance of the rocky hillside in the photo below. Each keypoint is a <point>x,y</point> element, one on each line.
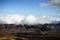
<point>28,30</point>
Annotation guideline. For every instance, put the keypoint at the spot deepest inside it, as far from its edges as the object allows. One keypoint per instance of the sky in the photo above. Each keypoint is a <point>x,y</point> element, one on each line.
<point>29,10</point>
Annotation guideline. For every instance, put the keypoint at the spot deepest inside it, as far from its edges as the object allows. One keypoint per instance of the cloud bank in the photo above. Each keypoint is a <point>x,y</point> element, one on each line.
<point>55,3</point>
<point>30,19</point>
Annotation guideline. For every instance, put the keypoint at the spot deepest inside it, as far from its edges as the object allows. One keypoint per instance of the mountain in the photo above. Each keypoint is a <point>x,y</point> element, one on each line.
<point>36,29</point>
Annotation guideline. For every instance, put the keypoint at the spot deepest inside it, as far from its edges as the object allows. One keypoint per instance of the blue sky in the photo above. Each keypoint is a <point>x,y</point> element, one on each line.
<point>29,11</point>
<point>26,7</point>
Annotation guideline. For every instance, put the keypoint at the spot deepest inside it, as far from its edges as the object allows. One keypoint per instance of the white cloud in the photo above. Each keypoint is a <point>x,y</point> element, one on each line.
<point>11,19</point>
<point>46,19</point>
<point>30,19</point>
<point>55,3</point>
<point>44,4</point>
